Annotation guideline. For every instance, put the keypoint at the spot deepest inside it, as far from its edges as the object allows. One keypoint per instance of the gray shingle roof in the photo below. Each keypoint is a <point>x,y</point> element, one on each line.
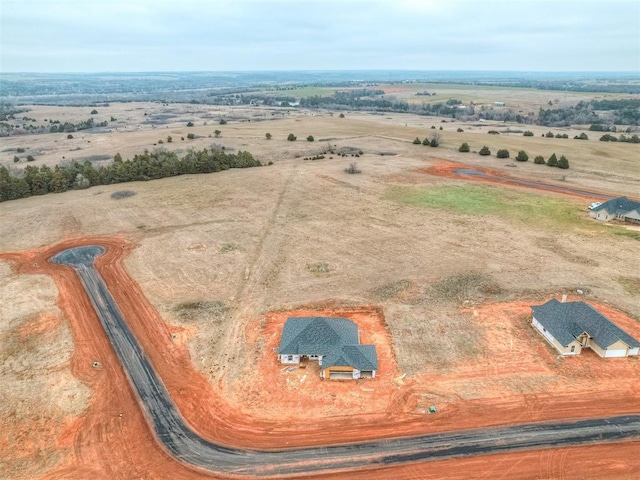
<point>567,321</point>
<point>618,205</point>
<point>316,335</point>
<point>362,357</point>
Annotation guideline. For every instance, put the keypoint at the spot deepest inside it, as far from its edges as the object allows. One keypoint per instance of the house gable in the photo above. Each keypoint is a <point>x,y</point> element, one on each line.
<point>334,342</point>
<point>568,322</point>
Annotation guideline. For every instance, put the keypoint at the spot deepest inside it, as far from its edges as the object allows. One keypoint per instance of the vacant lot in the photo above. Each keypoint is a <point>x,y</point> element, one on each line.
<point>447,262</point>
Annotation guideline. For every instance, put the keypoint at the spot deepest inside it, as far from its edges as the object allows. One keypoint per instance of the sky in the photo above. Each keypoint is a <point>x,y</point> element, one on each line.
<point>254,35</point>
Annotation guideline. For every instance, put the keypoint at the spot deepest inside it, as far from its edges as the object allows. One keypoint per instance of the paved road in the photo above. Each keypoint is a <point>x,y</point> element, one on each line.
<point>187,446</point>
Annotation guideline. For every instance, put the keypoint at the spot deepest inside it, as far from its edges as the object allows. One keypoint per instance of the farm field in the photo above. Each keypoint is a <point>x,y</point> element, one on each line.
<point>439,272</point>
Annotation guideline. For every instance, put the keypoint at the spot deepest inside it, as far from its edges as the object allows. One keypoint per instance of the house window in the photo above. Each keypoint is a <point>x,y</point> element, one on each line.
<point>573,348</point>
<point>290,358</point>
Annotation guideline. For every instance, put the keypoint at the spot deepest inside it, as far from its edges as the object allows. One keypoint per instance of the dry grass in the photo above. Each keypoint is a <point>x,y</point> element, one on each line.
<point>214,252</point>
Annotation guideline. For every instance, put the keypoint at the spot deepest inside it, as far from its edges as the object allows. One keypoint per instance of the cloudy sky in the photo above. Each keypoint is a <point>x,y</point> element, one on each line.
<point>209,35</point>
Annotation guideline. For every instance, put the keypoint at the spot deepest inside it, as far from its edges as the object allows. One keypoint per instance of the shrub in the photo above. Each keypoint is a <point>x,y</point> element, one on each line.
<point>493,132</point>
<point>459,130</point>
<point>553,160</point>
<point>549,134</point>
<point>20,150</point>
<point>503,153</point>
<point>169,139</point>
<point>433,127</point>
<point>160,141</point>
<point>292,137</point>
<point>485,151</point>
<point>122,194</point>
<point>522,156</point>
<point>425,141</point>
<point>417,141</point>
<point>94,112</point>
<point>69,137</point>
<point>310,138</point>
<point>217,133</point>
<point>16,159</point>
<point>528,133</point>
<point>436,137</point>
<point>190,124</point>
<point>464,147</point>
<point>268,136</point>
<point>341,115</point>
<point>30,158</point>
<point>539,160</point>
<point>564,135</point>
<point>582,136</point>
<point>563,162</point>
<point>191,136</point>
<point>223,121</point>
<point>608,138</point>
<point>352,168</point>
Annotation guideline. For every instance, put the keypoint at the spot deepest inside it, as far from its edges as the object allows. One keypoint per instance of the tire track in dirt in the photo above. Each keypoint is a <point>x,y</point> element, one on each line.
<point>251,289</point>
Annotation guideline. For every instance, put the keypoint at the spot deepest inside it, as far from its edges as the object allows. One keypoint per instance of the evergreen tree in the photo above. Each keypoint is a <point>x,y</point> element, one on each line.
<point>563,162</point>
<point>464,147</point>
<point>553,160</point>
<point>539,160</point>
<point>417,141</point>
<point>522,156</point>
<point>485,151</point>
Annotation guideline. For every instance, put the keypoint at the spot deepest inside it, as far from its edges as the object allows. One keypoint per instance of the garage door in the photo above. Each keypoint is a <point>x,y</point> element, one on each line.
<point>634,351</point>
<point>615,353</point>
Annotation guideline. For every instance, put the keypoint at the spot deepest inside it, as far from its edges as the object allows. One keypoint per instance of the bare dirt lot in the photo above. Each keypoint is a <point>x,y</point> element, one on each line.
<point>218,261</point>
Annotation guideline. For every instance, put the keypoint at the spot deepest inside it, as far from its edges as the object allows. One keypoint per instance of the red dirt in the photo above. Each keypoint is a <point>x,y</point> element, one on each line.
<point>113,440</point>
<point>446,169</point>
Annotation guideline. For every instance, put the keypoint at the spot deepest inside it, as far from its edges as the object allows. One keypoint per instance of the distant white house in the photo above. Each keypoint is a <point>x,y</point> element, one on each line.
<point>499,104</point>
<point>617,209</point>
<point>570,327</point>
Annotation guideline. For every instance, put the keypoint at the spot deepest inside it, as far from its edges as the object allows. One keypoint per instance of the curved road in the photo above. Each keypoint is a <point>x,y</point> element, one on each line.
<point>184,444</point>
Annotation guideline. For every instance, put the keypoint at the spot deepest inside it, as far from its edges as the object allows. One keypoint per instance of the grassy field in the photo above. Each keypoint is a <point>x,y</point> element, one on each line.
<point>215,252</point>
<point>524,208</point>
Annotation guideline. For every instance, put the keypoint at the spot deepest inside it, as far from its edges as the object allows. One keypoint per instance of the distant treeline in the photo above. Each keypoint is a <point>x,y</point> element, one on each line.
<point>147,166</point>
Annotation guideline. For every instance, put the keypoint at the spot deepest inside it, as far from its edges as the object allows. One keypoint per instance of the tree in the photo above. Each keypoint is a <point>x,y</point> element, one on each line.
<point>426,141</point>
<point>69,137</point>
<point>563,162</point>
<point>190,124</point>
<point>16,159</point>
<point>352,168</point>
<point>522,156</point>
<point>291,137</point>
<point>553,160</point>
<point>169,139</point>
<point>310,138</point>
<point>503,153</point>
<point>582,136</point>
<point>223,121</point>
<point>341,115</point>
<point>549,134</point>
<point>485,151</point>
<point>436,138</point>
<point>94,112</point>
<point>464,147</point>
<point>539,160</point>
<point>417,141</point>
<point>528,133</point>
<point>30,158</point>
<point>268,136</point>
<point>217,133</point>
<point>191,136</point>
